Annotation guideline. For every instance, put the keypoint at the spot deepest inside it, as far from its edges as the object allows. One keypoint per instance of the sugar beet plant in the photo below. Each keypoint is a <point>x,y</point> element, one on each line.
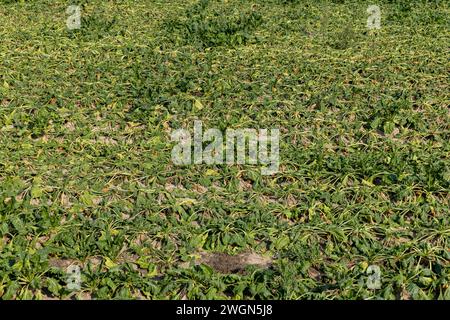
<point>206,28</point>
<point>93,205</point>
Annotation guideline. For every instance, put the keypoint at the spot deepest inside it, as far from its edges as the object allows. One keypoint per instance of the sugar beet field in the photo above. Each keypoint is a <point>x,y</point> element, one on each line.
<point>240,149</point>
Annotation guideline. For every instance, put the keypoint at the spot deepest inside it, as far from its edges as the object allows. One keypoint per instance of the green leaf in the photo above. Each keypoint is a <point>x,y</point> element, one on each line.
<point>36,191</point>
<point>53,286</point>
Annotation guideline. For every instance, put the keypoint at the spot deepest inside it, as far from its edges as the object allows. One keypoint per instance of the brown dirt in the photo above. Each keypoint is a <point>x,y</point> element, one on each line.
<point>225,263</point>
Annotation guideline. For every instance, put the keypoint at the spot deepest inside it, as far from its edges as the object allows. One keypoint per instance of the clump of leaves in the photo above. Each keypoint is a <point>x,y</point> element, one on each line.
<point>94,25</point>
<point>200,27</point>
<point>344,39</point>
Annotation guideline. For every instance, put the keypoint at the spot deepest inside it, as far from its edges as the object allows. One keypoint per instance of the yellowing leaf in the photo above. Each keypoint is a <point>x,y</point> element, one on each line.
<point>87,198</point>
<point>367,183</point>
<point>187,201</point>
<point>211,172</point>
<point>364,265</point>
<point>198,105</point>
<point>152,271</point>
<point>109,263</point>
<point>36,191</point>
